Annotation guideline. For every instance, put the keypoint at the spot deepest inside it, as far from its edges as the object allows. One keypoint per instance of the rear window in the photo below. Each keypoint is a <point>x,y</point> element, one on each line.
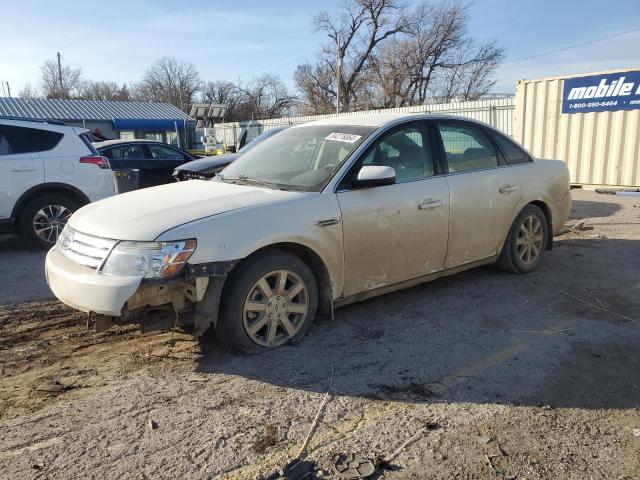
<point>26,140</point>
<point>513,152</point>
<point>87,141</point>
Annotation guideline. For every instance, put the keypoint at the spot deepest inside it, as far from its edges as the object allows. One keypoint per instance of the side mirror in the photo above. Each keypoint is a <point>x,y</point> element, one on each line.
<point>375,176</point>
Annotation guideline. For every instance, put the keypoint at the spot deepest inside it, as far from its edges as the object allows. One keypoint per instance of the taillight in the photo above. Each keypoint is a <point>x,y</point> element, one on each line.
<point>97,160</point>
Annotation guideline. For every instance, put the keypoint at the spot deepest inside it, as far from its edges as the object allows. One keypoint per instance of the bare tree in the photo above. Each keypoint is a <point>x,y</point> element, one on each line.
<point>395,56</point>
<point>223,92</point>
<point>60,82</point>
<point>472,77</point>
<point>28,91</point>
<point>169,80</point>
<point>102,90</point>
<point>354,35</point>
<point>437,50</point>
<point>265,96</point>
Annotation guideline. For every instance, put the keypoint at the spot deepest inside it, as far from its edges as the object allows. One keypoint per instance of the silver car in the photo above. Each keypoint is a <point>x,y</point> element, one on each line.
<point>316,217</point>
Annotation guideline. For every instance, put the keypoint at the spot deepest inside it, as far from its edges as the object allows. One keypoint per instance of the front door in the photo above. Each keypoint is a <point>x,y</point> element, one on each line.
<point>395,232</point>
<point>484,193</point>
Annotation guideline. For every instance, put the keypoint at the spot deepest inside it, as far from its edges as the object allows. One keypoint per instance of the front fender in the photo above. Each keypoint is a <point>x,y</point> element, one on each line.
<point>237,234</point>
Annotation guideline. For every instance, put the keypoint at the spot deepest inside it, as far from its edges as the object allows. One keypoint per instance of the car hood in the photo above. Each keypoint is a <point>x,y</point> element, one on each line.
<point>208,163</point>
<point>145,214</point>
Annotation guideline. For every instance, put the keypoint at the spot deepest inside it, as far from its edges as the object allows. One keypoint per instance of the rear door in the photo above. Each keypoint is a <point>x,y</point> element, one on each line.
<point>21,167</point>
<point>395,232</point>
<point>132,156</point>
<point>165,159</point>
<point>484,192</point>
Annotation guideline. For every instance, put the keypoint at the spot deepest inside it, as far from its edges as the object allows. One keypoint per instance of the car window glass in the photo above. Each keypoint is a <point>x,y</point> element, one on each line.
<point>9,141</point>
<point>407,150</point>
<point>42,140</point>
<point>467,148</point>
<point>300,158</point>
<point>160,152</point>
<point>514,153</point>
<point>26,140</point>
<point>126,152</point>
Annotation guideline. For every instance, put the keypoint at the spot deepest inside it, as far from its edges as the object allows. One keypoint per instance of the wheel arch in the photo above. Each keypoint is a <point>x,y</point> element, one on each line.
<point>52,188</point>
<point>313,260</point>
<point>547,215</point>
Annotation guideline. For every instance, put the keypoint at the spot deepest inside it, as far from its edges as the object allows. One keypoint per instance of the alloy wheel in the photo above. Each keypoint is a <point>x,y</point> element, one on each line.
<point>49,221</point>
<point>275,308</point>
<point>529,241</point>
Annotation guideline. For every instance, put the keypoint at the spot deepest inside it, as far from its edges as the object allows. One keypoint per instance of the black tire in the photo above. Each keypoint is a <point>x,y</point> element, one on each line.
<point>28,216</point>
<point>230,327</point>
<point>510,259</point>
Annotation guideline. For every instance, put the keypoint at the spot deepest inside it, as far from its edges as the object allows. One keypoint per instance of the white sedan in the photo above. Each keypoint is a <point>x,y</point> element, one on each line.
<point>316,217</point>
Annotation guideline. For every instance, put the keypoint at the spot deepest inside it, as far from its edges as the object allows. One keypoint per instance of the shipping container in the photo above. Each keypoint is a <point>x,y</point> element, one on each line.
<point>600,147</point>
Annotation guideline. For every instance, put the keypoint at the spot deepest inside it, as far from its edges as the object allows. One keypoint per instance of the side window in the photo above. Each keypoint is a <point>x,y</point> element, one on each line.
<point>26,140</point>
<point>513,152</point>
<point>407,150</point>
<point>126,152</point>
<point>467,148</point>
<point>42,140</point>
<point>160,152</point>
<point>12,141</point>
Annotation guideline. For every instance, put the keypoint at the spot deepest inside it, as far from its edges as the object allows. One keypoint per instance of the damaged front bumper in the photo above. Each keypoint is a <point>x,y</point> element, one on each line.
<point>192,297</point>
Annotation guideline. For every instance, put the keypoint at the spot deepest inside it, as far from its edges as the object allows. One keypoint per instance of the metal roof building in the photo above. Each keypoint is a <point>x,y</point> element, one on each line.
<point>112,119</point>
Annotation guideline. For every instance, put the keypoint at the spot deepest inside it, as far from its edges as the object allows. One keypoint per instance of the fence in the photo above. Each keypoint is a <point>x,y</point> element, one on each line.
<point>497,112</point>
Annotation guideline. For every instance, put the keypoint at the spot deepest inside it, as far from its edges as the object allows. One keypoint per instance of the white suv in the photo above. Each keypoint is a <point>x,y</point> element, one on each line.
<point>47,171</point>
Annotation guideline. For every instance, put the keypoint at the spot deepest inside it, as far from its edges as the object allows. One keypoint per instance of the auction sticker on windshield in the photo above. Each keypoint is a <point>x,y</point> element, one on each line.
<point>343,137</point>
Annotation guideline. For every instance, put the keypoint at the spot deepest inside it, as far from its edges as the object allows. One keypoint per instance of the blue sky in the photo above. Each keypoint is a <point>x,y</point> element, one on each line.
<point>117,40</point>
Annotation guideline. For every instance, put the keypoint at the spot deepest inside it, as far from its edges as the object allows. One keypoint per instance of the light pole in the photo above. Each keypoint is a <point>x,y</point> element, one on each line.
<point>338,77</point>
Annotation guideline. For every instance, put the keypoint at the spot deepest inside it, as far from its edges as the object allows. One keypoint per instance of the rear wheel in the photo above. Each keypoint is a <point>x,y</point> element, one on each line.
<point>526,242</point>
<point>43,218</point>
<point>268,302</point>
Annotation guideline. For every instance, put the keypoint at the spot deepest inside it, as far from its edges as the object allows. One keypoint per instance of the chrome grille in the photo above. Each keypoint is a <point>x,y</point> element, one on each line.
<point>85,249</point>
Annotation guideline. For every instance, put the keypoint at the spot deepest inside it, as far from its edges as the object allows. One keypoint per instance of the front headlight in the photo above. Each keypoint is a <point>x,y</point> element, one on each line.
<point>148,259</point>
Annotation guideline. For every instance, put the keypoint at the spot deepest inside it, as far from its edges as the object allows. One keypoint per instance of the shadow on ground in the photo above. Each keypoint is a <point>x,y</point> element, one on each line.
<point>482,336</point>
<point>593,209</point>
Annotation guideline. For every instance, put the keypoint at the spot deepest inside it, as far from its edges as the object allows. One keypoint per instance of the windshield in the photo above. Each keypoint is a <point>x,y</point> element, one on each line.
<point>260,138</point>
<point>298,158</point>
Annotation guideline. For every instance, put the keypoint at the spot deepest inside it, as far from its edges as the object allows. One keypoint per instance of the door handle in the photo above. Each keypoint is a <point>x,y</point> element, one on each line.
<point>327,222</point>
<point>23,169</point>
<point>430,204</point>
<point>508,188</point>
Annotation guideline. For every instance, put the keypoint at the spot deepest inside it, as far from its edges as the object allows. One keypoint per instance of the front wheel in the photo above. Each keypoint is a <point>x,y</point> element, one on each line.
<point>269,301</point>
<point>43,218</point>
<point>526,242</point>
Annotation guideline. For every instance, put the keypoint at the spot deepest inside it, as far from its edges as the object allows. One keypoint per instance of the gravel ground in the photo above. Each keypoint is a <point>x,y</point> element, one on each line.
<point>505,376</point>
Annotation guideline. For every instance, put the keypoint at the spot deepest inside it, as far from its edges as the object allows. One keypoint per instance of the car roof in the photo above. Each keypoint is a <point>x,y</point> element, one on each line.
<point>51,125</point>
<point>109,143</point>
<point>381,119</point>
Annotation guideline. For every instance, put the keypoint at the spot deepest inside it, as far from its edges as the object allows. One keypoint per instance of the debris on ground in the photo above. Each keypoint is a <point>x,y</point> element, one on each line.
<point>153,425</point>
<point>353,466</point>
<point>297,469</point>
<point>51,386</point>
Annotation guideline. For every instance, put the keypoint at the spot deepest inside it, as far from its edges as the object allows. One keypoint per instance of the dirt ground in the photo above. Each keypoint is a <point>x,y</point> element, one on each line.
<point>507,377</point>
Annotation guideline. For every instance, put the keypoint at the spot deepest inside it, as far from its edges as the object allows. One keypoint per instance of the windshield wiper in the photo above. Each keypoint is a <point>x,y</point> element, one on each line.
<point>252,181</point>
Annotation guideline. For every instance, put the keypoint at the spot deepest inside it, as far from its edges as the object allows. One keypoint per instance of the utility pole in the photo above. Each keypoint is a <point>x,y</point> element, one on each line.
<point>338,77</point>
<point>8,90</point>
<point>60,74</point>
